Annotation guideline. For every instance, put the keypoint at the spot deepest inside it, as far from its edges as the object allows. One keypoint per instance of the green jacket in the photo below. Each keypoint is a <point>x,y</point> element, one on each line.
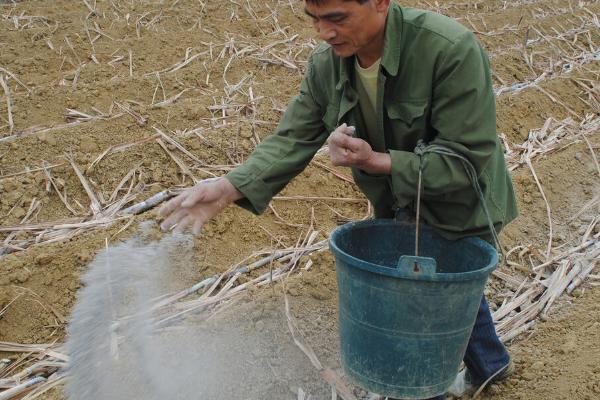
<point>434,85</point>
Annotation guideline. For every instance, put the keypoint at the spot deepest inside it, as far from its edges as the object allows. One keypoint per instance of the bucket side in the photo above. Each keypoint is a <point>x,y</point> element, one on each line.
<point>404,338</point>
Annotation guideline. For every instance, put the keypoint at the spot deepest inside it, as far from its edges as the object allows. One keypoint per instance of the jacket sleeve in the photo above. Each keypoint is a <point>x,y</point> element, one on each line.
<point>285,153</point>
<point>463,117</point>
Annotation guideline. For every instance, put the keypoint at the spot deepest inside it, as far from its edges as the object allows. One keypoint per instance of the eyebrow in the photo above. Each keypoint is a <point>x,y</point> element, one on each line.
<point>329,16</point>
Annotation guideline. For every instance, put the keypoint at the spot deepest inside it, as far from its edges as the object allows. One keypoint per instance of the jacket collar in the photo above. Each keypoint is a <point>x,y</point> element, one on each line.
<point>392,44</point>
<point>390,60</point>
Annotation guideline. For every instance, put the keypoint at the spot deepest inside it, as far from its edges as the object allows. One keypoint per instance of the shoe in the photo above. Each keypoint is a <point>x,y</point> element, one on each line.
<point>464,386</point>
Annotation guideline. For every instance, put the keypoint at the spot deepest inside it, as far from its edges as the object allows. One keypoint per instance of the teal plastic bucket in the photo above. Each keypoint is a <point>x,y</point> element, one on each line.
<point>405,321</point>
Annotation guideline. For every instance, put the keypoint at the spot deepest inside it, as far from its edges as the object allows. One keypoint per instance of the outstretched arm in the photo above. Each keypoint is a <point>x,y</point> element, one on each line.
<point>276,161</point>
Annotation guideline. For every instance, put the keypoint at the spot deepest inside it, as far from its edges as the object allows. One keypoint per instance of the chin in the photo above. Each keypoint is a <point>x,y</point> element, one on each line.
<point>343,51</point>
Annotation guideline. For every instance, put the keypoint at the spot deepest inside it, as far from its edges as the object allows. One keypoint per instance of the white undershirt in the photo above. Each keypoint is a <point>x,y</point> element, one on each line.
<point>368,78</point>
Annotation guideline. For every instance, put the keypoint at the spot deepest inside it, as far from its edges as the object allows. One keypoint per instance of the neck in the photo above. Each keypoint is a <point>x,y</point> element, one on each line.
<point>372,51</point>
<point>367,61</point>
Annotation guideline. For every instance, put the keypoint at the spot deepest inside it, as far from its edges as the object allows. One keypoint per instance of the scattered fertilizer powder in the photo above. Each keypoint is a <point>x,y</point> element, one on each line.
<point>117,351</point>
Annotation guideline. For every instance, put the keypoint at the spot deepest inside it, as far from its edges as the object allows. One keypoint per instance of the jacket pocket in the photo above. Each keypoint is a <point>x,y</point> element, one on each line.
<point>409,112</point>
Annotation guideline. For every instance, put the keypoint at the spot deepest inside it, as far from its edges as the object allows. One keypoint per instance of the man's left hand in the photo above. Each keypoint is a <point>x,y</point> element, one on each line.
<point>348,151</point>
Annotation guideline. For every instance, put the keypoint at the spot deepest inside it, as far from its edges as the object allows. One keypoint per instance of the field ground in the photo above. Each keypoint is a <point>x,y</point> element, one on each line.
<point>104,104</point>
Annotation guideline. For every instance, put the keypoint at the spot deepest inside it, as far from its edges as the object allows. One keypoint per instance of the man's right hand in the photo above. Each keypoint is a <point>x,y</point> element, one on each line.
<point>198,204</point>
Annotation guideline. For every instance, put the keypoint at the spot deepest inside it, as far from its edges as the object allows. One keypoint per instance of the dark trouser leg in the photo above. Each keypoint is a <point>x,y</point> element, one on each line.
<point>485,353</point>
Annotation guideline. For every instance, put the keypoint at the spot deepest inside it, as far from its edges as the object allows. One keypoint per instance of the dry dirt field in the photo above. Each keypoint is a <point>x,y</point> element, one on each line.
<point>106,103</point>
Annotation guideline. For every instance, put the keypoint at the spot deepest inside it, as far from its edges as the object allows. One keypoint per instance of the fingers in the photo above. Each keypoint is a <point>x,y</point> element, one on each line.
<point>193,207</point>
<point>197,228</point>
<point>346,142</point>
<point>346,150</point>
<point>173,219</point>
<point>181,219</point>
<point>181,225</point>
<point>354,145</point>
<point>187,199</point>
<point>349,131</point>
<point>341,140</point>
<point>171,205</point>
<point>196,196</point>
<point>337,148</point>
<point>345,129</point>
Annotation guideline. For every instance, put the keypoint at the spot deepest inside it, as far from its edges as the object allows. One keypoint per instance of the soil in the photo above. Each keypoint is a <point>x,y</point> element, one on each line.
<point>103,63</point>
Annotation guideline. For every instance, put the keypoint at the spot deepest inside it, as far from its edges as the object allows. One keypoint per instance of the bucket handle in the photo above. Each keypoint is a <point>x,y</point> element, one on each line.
<point>417,266</point>
<point>420,149</point>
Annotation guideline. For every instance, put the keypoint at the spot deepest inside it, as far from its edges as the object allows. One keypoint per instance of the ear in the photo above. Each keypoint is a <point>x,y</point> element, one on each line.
<point>382,5</point>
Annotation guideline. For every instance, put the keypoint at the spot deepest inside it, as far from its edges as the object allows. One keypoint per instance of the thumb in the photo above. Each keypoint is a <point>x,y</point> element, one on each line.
<point>341,128</point>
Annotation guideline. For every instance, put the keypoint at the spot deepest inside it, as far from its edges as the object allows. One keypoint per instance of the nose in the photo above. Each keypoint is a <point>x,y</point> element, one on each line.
<point>325,30</point>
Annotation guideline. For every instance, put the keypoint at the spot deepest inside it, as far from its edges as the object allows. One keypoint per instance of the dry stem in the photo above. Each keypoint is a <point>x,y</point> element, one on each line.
<point>95,205</point>
<point>11,124</point>
<point>548,209</point>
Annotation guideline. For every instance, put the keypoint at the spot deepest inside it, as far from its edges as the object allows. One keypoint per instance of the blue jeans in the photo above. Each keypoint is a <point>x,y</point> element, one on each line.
<point>485,353</point>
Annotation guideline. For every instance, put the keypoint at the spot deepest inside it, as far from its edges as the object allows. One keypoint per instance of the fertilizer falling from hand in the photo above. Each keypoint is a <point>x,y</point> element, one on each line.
<point>117,353</point>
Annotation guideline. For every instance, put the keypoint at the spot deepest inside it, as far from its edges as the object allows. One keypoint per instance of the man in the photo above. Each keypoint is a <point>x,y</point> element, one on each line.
<point>386,78</point>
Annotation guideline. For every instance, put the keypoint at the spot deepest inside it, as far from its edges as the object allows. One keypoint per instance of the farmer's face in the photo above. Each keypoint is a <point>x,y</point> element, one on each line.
<point>348,26</point>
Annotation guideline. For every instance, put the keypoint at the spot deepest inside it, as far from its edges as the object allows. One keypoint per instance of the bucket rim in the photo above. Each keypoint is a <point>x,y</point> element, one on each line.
<point>355,262</point>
